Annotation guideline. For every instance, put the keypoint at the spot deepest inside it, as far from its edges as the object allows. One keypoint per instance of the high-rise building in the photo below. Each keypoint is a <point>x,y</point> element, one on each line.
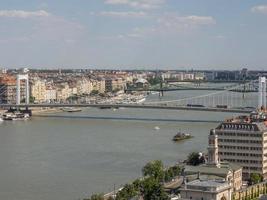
<point>243,140</point>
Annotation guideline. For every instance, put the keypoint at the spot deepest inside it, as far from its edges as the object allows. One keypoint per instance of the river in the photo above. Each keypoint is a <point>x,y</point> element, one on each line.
<point>72,155</point>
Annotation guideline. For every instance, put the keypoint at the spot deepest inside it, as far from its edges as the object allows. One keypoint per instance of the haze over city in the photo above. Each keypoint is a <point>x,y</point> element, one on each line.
<point>133,34</point>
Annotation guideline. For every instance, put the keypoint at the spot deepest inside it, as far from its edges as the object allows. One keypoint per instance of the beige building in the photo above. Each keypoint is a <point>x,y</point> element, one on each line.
<point>38,90</point>
<point>118,84</point>
<point>243,140</point>
<point>99,85</point>
<point>84,86</point>
<point>206,190</point>
<point>63,92</point>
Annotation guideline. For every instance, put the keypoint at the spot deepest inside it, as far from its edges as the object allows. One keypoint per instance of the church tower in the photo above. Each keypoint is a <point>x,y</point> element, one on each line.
<point>213,157</point>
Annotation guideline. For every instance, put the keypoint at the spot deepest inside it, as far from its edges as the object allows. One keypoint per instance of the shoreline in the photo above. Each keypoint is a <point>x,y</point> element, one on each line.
<point>38,111</point>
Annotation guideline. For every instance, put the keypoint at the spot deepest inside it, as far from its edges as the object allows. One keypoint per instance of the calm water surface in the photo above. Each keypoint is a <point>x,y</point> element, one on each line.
<point>70,156</point>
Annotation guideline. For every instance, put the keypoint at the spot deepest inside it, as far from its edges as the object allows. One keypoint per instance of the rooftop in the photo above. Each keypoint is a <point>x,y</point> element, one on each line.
<point>204,169</point>
<point>256,121</point>
<point>207,185</point>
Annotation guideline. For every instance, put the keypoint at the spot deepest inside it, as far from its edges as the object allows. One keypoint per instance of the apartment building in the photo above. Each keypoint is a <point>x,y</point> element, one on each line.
<point>99,85</point>
<point>84,86</point>
<point>243,140</point>
<point>63,92</point>
<point>50,94</point>
<point>38,90</point>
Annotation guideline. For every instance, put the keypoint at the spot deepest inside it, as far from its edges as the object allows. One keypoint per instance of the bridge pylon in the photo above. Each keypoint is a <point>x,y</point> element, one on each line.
<point>262,93</point>
<point>18,88</point>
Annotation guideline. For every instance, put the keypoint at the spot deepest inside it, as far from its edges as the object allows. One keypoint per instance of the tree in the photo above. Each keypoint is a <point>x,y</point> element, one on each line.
<point>96,197</point>
<point>94,92</point>
<point>154,169</point>
<point>153,190</point>
<point>195,159</point>
<point>168,174</point>
<point>31,99</point>
<point>154,81</point>
<point>255,178</point>
<point>176,170</point>
<point>129,191</point>
<point>137,184</point>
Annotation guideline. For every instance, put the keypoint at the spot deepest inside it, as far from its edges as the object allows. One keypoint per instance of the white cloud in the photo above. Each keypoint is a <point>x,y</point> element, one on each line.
<point>259,9</point>
<point>44,28</point>
<point>23,14</point>
<point>197,20</point>
<point>172,21</point>
<point>57,29</point>
<point>140,4</point>
<point>173,24</point>
<point>129,14</point>
<point>167,25</point>
<point>220,37</point>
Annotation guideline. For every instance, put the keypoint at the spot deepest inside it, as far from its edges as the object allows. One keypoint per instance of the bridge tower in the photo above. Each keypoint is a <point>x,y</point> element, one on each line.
<point>27,94</point>
<point>262,93</point>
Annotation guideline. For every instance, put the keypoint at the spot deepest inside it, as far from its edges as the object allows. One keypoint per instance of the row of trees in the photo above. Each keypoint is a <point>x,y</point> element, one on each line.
<point>150,187</point>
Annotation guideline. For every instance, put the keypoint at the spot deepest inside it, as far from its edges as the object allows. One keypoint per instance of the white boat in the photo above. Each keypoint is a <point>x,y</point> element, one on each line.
<point>156,128</point>
<point>71,110</point>
<point>154,93</point>
<point>15,116</point>
<point>141,100</point>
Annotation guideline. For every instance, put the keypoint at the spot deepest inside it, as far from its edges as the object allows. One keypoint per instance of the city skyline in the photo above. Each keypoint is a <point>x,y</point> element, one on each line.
<point>134,34</point>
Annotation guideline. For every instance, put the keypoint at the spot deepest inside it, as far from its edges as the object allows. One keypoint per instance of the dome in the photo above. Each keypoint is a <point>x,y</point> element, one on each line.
<point>141,80</point>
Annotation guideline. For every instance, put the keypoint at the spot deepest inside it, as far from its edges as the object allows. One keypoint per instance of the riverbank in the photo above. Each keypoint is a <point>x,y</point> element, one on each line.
<point>37,111</point>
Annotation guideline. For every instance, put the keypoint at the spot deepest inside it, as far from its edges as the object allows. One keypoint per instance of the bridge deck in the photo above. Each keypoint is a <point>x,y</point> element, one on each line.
<point>143,106</point>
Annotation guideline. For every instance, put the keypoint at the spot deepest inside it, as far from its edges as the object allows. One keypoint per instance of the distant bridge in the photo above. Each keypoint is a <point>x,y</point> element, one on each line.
<point>161,88</point>
<point>143,106</point>
<point>206,81</point>
<point>226,99</point>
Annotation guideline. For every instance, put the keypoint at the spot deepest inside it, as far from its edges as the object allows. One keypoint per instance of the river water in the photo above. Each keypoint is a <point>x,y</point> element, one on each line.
<point>72,155</point>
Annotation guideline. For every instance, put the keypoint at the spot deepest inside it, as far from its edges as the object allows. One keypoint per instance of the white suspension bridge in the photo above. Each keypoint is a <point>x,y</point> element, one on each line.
<point>231,99</point>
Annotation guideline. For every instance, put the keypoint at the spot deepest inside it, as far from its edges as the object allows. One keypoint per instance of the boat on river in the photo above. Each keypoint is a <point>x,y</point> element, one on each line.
<point>181,136</point>
<point>71,109</point>
<point>13,116</point>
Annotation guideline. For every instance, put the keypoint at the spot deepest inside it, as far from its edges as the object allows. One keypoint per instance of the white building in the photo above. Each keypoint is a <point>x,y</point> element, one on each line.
<point>206,190</point>
<point>50,94</point>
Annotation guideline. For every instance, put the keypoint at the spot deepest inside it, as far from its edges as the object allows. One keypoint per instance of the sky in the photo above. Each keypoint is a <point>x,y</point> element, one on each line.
<point>134,34</point>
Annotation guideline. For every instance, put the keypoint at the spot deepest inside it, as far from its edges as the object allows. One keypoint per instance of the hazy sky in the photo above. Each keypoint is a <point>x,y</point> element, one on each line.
<point>144,34</point>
